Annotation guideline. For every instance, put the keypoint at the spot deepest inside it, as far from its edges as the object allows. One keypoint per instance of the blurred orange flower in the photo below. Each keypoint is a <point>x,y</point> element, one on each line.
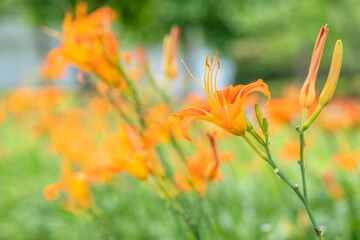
<point>347,160</point>
<point>331,185</point>
<point>74,184</point>
<point>70,138</point>
<point>282,110</point>
<point>128,152</point>
<point>48,97</point>
<point>224,108</point>
<point>2,113</point>
<point>21,100</point>
<point>87,43</point>
<point>202,167</point>
<point>291,150</point>
<point>157,124</point>
<point>341,114</point>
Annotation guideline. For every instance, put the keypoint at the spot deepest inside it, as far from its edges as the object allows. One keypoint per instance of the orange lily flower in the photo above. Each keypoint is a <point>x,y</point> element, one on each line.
<point>74,184</point>
<point>87,43</point>
<point>203,166</point>
<point>128,152</point>
<point>224,107</point>
<point>158,126</point>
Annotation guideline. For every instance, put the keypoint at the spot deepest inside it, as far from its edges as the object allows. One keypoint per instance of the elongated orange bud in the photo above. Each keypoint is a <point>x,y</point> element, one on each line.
<point>333,77</point>
<point>170,52</point>
<point>307,94</point>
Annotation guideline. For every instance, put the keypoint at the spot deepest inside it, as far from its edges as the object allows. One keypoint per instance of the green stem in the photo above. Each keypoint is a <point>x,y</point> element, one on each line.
<point>133,91</point>
<point>255,147</point>
<point>129,83</point>
<point>166,99</point>
<point>301,162</point>
<point>312,118</point>
<point>156,87</point>
<point>304,115</point>
<point>294,187</point>
<point>178,209</point>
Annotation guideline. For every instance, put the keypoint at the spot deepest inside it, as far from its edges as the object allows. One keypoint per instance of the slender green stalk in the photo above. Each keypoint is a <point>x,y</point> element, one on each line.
<point>312,118</point>
<point>304,115</point>
<point>294,187</point>
<point>255,147</point>
<point>178,209</point>
<point>167,100</point>
<point>129,83</point>
<point>301,162</point>
<point>156,87</point>
<point>133,91</point>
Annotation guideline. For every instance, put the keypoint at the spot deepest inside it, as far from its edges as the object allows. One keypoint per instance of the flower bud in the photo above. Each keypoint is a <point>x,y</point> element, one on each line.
<point>170,52</point>
<point>307,94</point>
<point>248,124</point>
<point>259,115</point>
<point>333,77</point>
<point>265,126</point>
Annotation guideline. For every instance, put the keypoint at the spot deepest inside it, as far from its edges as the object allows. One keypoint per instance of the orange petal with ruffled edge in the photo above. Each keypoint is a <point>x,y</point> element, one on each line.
<point>187,115</point>
<point>258,86</point>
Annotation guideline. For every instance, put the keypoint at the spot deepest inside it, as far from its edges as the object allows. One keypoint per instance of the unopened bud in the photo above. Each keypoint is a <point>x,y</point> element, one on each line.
<point>259,115</point>
<point>307,94</point>
<point>248,124</point>
<point>296,185</point>
<point>333,77</point>
<point>276,170</point>
<point>265,125</point>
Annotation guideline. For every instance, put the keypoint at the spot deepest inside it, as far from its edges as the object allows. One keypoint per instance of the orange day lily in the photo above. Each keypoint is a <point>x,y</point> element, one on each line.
<point>224,107</point>
<point>128,152</point>
<point>74,184</point>
<point>87,43</point>
<point>202,167</point>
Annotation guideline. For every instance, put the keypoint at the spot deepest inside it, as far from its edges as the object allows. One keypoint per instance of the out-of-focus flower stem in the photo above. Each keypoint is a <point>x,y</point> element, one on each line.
<point>156,87</point>
<point>178,209</point>
<point>138,107</point>
<point>167,100</point>
<point>130,84</point>
<point>118,107</point>
<point>294,187</point>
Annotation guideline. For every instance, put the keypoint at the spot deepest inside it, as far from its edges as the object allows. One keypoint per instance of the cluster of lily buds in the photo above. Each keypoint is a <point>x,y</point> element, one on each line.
<point>307,94</point>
